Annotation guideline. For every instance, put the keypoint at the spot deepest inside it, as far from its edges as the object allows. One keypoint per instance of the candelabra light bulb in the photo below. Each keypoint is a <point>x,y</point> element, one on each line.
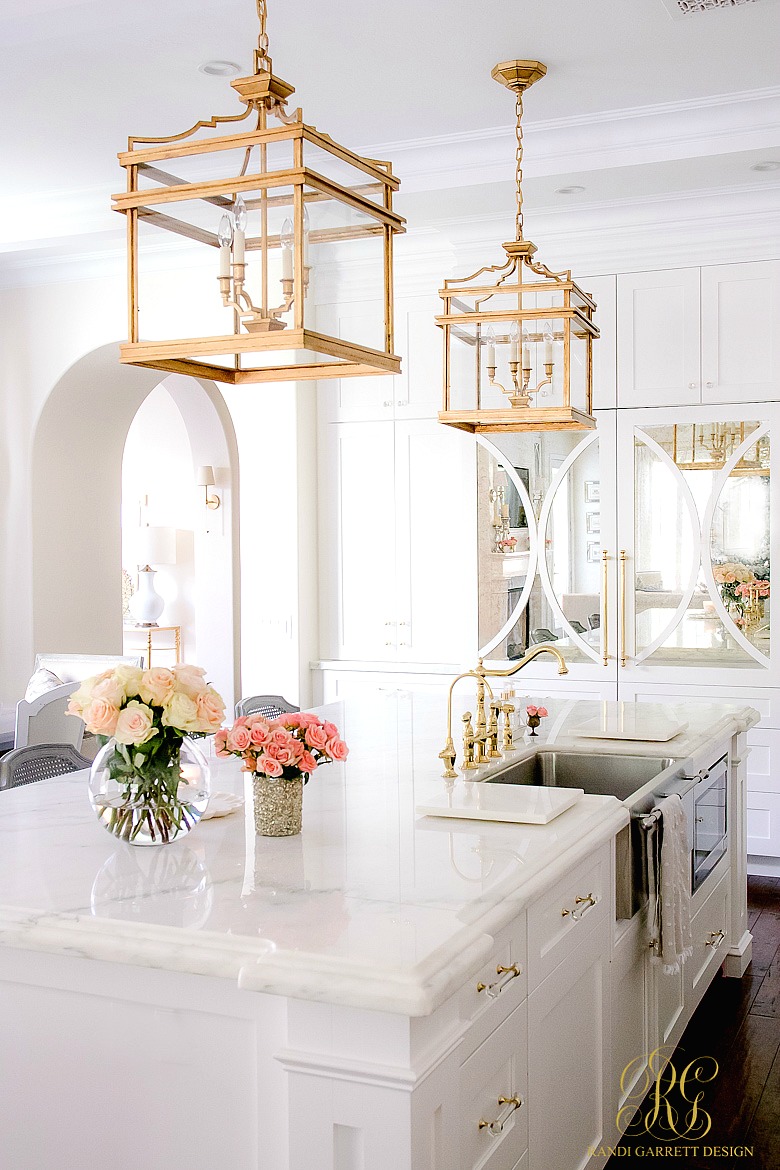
<point>514,332</point>
<point>225,232</point>
<point>287,234</point>
<point>239,213</point>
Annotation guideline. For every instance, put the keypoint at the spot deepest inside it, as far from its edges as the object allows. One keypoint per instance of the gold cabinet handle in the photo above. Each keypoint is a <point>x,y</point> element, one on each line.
<point>623,558</point>
<point>508,1106</point>
<point>605,607</point>
<point>715,939</point>
<point>582,905</point>
<point>507,975</point>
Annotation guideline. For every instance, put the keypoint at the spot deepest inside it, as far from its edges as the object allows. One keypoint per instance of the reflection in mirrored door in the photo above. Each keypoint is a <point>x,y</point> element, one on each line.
<point>539,533</point>
<point>701,535</point>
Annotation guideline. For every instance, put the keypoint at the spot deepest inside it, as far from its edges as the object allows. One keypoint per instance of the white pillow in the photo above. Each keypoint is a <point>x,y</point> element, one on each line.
<point>41,681</point>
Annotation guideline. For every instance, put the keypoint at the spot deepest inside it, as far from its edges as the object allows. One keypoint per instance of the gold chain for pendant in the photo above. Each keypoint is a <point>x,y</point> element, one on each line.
<point>519,167</point>
<point>262,16</point>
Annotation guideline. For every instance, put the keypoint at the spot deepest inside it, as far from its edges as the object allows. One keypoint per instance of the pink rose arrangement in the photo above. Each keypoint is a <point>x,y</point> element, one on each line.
<point>146,714</point>
<point>753,589</point>
<point>534,716</point>
<point>508,544</point>
<point>291,747</point>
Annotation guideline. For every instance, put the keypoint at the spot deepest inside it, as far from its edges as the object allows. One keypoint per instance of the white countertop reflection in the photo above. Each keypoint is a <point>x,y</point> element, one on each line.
<point>370,906</point>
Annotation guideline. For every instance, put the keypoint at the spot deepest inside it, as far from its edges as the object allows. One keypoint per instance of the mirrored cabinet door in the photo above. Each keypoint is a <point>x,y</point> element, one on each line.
<point>546,548</point>
<point>695,516</point>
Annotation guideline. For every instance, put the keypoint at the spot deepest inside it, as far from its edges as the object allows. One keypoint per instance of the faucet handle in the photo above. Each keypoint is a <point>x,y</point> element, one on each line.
<point>470,741</point>
<point>508,710</point>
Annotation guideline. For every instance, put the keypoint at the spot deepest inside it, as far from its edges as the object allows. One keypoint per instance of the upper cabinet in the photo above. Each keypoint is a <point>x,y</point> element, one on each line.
<point>692,336</point>
<point>414,393</point>
<point>658,338</point>
<point>740,330</point>
<point>603,289</point>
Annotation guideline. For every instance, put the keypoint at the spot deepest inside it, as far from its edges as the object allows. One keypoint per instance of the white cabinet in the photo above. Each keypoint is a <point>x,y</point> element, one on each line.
<point>740,332</point>
<point>603,289</point>
<point>396,501</point>
<point>706,335</point>
<point>415,392</point>
<point>569,1092</point>
<point>659,338</point>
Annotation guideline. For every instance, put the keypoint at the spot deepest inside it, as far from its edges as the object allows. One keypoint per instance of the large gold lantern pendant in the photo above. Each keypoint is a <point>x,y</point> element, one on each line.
<point>517,337</point>
<point>260,209</point>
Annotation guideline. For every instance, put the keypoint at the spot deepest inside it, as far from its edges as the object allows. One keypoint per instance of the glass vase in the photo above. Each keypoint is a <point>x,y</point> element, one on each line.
<point>153,806</point>
<point>278,805</point>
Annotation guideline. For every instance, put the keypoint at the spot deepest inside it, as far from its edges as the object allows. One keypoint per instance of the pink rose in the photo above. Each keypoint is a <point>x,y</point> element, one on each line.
<point>101,717</point>
<point>269,766</point>
<point>316,737</point>
<point>135,724</point>
<point>239,739</point>
<point>250,762</point>
<point>244,720</point>
<point>211,710</point>
<point>190,680</point>
<point>337,749</point>
<point>220,743</point>
<point>307,763</point>
<point>293,721</point>
<point>542,711</point>
<point>260,733</point>
<point>532,710</point>
<point>331,730</point>
<point>308,720</point>
<point>157,686</point>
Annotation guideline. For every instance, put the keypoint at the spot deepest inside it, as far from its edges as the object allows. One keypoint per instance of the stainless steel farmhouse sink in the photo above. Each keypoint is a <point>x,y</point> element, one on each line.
<point>597,773</point>
<point>627,777</point>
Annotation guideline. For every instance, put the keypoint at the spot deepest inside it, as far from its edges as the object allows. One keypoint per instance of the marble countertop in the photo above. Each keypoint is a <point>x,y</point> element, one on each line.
<point>371,906</point>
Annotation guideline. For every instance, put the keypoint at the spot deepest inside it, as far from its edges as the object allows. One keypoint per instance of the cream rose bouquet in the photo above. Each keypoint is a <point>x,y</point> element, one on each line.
<point>146,715</point>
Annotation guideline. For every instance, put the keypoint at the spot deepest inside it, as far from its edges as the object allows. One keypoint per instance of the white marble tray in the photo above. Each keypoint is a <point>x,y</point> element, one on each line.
<point>523,804</point>
<point>631,722</point>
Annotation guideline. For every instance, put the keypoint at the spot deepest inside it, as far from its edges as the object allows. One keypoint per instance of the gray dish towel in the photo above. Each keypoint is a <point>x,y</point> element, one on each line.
<point>669,886</point>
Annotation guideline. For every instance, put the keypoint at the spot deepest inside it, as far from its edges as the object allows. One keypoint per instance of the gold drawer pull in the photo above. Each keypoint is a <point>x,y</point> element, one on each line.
<point>715,939</point>
<point>496,1127</point>
<point>584,904</point>
<point>507,975</point>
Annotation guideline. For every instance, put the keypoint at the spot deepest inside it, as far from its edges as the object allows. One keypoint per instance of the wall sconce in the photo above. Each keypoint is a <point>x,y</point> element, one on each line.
<point>206,480</point>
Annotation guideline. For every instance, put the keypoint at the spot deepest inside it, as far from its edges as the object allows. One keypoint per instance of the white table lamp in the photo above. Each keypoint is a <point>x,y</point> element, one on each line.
<point>158,546</point>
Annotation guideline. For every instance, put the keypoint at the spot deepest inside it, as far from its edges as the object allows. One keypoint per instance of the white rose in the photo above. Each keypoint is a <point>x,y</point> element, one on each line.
<point>135,724</point>
<point>181,712</point>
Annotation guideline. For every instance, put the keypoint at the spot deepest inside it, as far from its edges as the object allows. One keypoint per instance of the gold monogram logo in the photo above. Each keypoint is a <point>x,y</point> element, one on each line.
<point>673,1109</point>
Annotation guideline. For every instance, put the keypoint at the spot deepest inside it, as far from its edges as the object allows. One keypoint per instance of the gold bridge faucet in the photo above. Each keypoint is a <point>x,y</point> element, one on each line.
<point>480,740</point>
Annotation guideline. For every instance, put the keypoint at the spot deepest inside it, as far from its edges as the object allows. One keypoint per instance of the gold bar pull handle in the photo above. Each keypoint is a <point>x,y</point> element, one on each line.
<point>507,1106</point>
<point>605,607</point>
<point>623,559</point>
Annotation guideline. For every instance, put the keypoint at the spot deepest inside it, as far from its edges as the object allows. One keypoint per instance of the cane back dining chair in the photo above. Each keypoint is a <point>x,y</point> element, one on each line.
<point>40,761</point>
<point>269,706</point>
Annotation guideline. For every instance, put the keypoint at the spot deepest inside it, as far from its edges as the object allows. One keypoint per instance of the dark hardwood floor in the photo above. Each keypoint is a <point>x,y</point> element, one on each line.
<point>737,1023</point>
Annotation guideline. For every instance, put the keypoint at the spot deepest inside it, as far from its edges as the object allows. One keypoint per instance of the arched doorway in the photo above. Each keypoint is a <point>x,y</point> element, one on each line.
<point>76,498</point>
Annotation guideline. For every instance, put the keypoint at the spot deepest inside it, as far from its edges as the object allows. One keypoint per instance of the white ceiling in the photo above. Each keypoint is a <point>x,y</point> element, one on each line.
<point>79,75</point>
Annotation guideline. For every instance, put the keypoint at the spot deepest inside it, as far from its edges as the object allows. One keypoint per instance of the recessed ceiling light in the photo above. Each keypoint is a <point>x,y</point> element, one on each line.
<point>769,165</point>
<point>573,190</point>
<point>220,68</point>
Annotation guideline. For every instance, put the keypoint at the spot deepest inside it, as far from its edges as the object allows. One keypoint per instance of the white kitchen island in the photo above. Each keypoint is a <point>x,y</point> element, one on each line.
<point>359,997</point>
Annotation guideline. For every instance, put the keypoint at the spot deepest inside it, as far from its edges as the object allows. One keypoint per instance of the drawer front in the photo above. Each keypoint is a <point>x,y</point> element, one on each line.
<point>492,1081</point>
<point>763,824</point>
<point>710,930</point>
<point>500,985</point>
<point>765,700</point>
<point>763,762</point>
<point>559,921</point>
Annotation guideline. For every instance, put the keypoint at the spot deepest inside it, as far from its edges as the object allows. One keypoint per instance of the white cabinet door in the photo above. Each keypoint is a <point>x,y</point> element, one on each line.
<point>569,1072</point>
<point>435,539</point>
<point>354,399</point>
<point>603,289</point>
<point>418,341</point>
<point>658,351</point>
<point>357,541</point>
<point>740,332</point>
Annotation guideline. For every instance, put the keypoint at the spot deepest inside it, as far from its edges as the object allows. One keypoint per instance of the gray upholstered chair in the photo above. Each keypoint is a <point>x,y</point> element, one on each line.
<point>543,635</point>
<point>594,621</point>
<point>578,627</point>
<point>39,761</point>
<point>269,706</point>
